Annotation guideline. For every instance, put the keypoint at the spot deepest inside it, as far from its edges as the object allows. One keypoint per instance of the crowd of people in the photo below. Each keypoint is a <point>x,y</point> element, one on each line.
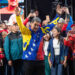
<point>35,47</point>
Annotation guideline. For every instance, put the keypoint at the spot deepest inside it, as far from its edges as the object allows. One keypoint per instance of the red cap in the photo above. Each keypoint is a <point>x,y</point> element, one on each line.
<point>72,25</point>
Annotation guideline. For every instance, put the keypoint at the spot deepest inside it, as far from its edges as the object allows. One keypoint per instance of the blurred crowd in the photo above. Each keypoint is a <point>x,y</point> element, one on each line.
<point>35,47</point>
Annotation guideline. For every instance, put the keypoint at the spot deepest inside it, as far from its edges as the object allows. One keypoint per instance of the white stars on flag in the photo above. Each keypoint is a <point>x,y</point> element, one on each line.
<point>26,56</point>
<point>29,53</point>
<point>32,49</point>
<point>34,44</point>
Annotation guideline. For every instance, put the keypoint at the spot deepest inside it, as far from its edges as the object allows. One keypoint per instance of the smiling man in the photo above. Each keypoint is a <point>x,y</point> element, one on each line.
<point>31,41</point>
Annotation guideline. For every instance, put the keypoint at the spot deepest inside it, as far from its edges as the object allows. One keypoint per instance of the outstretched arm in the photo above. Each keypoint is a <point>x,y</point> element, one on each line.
<point>28,17</point>
<point>51,25</point>
<point>54,22</point>
<point>23,29</point>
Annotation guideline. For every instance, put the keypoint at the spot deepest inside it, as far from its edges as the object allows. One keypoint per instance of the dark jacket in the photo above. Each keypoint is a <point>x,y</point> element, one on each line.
<point>2,55</point>
<point>13,46</point>
<point>63,51</point>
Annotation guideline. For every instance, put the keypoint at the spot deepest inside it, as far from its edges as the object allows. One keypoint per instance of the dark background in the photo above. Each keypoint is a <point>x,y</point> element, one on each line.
<point>48,7</point>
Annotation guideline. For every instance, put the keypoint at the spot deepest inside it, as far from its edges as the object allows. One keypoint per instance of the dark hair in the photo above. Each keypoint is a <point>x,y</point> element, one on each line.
<point>32,11</point>
<point>58,29</point>
<point>49,36</point>
<point>59,37</point>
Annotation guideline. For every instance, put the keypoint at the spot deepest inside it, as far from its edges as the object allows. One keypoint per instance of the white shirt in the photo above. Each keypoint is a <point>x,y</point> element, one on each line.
<point>56,46</point>
<point>45,47</point>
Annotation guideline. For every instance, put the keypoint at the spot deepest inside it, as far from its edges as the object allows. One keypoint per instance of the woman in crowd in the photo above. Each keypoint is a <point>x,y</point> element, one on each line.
<point>46,38</point>
<point>57,53</point>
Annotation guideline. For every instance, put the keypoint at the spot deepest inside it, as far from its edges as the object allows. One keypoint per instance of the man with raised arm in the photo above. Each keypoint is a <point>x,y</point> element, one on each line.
<point>31,42</point>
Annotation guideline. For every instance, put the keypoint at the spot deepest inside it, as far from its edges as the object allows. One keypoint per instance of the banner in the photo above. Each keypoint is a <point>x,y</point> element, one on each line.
<point>7,8</point>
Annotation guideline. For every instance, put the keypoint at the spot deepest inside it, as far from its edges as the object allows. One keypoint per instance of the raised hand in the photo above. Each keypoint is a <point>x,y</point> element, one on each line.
<point>59,9</point>
<point>30,15</point>
<point>47,18</point>
<point>10,63</point>
<point>17,11</point>
<point>66,10</point>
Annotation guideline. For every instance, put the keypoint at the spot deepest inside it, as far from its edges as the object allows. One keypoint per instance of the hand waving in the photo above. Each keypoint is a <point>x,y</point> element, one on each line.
<point>17,11</point>
<point>59,10</point>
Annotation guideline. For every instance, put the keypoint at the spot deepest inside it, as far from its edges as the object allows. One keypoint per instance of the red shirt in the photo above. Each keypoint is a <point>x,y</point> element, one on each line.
<point>64,27</point>
<point>4,30</point>
<point>26,21</point>
<point>71,44</point>
<point>40,53</point>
